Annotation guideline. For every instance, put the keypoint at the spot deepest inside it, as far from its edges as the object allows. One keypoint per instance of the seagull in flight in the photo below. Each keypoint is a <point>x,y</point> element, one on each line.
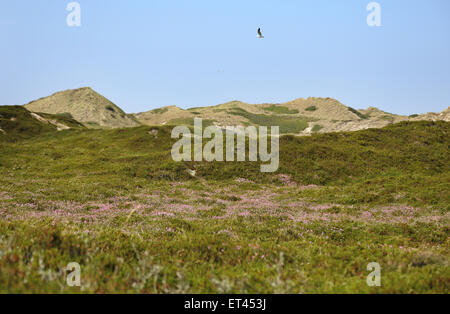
<point>259,34</point>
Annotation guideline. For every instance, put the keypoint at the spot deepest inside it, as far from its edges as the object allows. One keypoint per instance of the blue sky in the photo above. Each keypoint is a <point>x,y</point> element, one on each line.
<point>148,54</point>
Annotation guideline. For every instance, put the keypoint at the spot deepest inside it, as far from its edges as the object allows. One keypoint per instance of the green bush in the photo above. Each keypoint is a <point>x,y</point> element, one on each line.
<point>110,108</point>
<point>317,128</point>
<point>287,124</point>
<point>359,114</point>
<point>190,122</point>
<point>281,109</point>
<point>160,110</point>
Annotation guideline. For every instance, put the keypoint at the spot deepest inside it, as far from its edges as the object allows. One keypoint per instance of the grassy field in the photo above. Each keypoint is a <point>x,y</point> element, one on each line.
<point>136,221</point>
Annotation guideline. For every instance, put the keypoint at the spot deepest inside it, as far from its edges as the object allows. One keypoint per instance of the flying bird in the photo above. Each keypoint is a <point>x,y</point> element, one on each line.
<point>259,34</point>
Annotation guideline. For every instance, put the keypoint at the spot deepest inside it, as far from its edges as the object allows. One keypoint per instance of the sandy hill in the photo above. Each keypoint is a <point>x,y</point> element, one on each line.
<point>300,116</point>
<point>85,106</point>
<point>444,116</point>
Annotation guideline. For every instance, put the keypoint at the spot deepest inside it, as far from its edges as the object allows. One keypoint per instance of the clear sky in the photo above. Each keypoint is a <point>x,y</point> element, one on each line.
<point>145,54</point>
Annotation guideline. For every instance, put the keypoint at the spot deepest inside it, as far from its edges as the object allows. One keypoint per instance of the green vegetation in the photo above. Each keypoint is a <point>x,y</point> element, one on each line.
<point>317,128</point>
<point>414,116</point>
<point>63,115</point>
<point>110,108</point>
<point>311,108</point>
<point>359,114</point>
<point>18,123</point>
<point>287,124</point>
<point>389,118</point>
<point>92,124</point>
<point>281,109</point>
<point>190,122</point>
<point>136,221</point>
<point>63,118</point>
<point>160,110</point>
